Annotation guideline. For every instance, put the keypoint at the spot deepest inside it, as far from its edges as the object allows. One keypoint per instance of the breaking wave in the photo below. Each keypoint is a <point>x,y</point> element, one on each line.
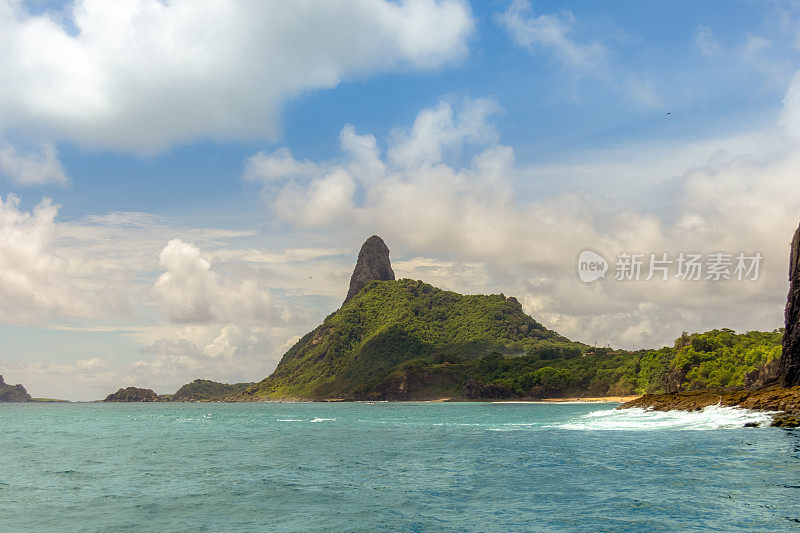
<point>711,417</point>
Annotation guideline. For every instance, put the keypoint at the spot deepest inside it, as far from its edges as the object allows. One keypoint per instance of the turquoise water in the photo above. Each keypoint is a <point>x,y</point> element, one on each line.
<point>401,467</point>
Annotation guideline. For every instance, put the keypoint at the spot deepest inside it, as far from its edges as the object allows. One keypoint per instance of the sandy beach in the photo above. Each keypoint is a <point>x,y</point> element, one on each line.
<point>596,399</point>
<point>576,399</point>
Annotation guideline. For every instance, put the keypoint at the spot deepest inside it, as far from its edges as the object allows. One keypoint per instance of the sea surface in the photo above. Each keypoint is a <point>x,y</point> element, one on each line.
<point>392,466</point>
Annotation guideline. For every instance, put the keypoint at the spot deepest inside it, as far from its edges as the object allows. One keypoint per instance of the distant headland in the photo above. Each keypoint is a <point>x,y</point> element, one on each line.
<point>406,340</point>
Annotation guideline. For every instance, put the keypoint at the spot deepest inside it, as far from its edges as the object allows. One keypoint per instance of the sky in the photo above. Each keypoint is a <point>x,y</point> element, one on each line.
<point>185,185</point>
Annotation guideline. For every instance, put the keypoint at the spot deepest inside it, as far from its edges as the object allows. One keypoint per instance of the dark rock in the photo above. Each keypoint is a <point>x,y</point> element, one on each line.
<point>373,264</point>
<point>766,375</point>
<point>773,398</point>
<point>785,422</point>
<point>790,356</point>
<point>133,394</point>
<point>672,380</point>
<point>752,425</point>
<point>416,384</point>
<point>486,391</point>
<point>13,393</point>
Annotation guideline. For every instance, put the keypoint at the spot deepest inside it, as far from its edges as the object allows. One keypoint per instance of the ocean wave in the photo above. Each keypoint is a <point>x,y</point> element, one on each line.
<point>288,420</point>
<point>323,420</point>
<point>711,417</point>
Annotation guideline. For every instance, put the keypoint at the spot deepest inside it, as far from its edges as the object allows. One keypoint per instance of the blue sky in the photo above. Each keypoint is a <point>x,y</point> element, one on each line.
<point>549,111</point>
<point>202,170</point>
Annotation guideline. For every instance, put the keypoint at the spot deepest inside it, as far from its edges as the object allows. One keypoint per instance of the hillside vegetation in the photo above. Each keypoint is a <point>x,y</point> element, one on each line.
<point>407,340</point>
<point>204,390</point>
<point>406,322</point>
<point>715,359</point>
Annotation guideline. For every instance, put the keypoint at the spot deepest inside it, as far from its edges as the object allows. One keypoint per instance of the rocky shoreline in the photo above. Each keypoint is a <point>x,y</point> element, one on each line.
<point>776,389</point>
<point>783,400</point>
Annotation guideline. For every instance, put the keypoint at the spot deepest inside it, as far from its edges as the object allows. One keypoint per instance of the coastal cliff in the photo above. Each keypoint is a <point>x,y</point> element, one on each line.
<point>790,358</point>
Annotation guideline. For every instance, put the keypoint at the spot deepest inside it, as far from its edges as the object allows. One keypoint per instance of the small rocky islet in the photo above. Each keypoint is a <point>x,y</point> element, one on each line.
<point>13,393</point>
<point>199,390</point>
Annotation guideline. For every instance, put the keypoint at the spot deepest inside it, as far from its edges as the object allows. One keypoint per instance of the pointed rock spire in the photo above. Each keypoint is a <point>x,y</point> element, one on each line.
<point>373,264</point>
<point>790,355</point>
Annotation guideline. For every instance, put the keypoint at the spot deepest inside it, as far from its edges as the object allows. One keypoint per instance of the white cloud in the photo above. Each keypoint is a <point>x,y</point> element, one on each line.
<point>83,379</point>
<point>557,34</point>
<point>552,32</point>
<point>31,168</point>
<point>98,284</point>
<point>143,75</point>
<point>767,53</point>
<point>437,131</point>
<point>190,291</point>
<point>425,199</point>
<point>34,280</point>
<point>229,353</point>
<point>276,166</point>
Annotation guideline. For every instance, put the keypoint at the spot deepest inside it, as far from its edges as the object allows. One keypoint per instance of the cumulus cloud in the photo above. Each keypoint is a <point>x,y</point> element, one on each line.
<point>33,167</point>
<point>83,379</point>
<point>227,352</point>
<point>420,193</point>
<point>34,280</point>
<point>142,75</point>
<point>221,323</point>
<point>556,33</point>
<point>190,291</point>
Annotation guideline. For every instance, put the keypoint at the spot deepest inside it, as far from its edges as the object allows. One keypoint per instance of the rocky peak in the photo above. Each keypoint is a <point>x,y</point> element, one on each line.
<point>373,264</point>
<point>790,356</point>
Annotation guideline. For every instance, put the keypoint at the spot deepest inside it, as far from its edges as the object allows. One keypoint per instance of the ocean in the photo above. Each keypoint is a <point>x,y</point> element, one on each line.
<point>392,466</point>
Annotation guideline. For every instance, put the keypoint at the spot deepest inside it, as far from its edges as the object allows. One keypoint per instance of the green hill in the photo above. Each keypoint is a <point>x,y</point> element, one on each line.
<point>395,325</point>
<point>204,390</point>
<point>407,340</point>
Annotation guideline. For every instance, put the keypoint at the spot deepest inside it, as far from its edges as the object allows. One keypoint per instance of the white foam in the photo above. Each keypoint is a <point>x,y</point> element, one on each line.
<point>323,420</point>
<point>711,417</point>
